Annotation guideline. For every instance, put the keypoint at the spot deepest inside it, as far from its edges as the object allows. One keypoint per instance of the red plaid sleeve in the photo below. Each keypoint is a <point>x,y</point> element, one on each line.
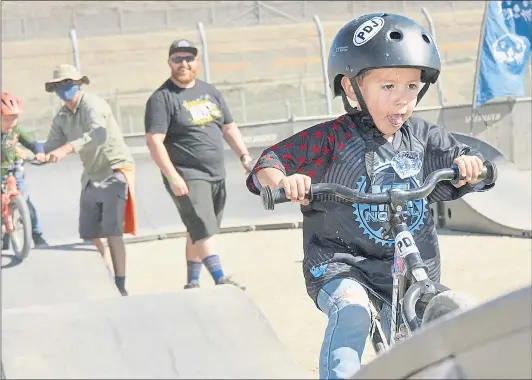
<point>308,152</point>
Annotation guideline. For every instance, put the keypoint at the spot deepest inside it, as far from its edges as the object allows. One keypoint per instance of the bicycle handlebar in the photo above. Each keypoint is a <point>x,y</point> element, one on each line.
<point>272,197</point>
<point>10,167</point>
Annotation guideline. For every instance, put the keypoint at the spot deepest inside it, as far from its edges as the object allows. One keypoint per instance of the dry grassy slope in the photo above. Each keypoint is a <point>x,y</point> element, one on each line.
<point>265,54</point>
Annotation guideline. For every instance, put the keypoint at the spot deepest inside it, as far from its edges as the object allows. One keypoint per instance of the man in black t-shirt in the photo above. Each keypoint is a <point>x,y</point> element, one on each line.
<point>186,122</point>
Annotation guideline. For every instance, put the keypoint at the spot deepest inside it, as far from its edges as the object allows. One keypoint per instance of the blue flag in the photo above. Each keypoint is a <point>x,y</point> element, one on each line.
<point>505,50</point>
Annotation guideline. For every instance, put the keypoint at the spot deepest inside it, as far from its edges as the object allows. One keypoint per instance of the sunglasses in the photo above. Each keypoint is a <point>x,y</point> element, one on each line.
<point>187,58</point>
<point>66,82</point>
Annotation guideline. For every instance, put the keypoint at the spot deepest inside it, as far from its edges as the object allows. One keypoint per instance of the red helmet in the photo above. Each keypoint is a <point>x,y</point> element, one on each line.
<point>11,105</point>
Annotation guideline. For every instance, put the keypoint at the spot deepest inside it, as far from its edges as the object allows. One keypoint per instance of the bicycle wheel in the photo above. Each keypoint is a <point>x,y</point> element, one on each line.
<point>446,302</point>
<point>21,235</point>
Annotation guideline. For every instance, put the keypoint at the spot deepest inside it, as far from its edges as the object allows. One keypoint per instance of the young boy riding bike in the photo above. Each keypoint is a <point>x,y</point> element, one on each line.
<point>12,134</point>
<point>385,63</point>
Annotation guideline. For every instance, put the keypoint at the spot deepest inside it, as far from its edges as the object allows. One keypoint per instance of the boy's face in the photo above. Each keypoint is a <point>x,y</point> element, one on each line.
<point>9,122</point>
<point>390,95</point>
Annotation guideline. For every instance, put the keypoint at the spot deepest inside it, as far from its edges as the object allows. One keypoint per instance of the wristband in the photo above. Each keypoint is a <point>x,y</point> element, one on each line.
<point>242,156</point>
<point>170,178</point>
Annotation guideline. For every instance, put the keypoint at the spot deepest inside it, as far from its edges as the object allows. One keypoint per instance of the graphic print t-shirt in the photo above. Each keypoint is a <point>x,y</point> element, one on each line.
<point>193,120</point>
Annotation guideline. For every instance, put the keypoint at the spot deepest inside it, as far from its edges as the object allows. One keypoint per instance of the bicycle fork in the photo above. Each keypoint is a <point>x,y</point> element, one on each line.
<point>398,287</point>
<point>406,257</point>
<point>9,190</point>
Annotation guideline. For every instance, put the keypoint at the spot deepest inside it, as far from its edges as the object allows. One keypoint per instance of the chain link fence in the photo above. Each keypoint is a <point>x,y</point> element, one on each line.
<point>268,65</point>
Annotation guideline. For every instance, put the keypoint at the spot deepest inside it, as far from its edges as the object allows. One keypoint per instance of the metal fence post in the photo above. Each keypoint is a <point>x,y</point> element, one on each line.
<point>326,88</point>
<point>118,110</point>
<point>205,51</point>
<point>303,97</point>
<point>120,20</point>
<point>433,32</point>
<point>212,13</point>
<point>243,104</point>
<point>75,49</point>
<point>167,18</point>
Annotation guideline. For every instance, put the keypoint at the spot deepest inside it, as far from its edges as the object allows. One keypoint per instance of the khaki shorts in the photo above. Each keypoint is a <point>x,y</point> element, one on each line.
<point>102,208</point>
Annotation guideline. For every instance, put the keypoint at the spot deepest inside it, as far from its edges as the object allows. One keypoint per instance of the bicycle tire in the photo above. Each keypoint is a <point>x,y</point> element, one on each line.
<point>19,203</point>
<point>447,302</point>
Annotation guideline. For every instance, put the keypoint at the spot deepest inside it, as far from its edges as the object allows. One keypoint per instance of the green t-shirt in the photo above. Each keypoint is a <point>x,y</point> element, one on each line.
<point>94,134</point>
<point>9,145</point>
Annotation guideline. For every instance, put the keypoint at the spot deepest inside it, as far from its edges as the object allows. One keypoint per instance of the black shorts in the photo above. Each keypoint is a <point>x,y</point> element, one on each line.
<point>201,210</point>
<point>102,209</point>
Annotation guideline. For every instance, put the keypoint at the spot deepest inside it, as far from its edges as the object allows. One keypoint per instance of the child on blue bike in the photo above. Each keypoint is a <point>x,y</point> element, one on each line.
<point>385,63</point>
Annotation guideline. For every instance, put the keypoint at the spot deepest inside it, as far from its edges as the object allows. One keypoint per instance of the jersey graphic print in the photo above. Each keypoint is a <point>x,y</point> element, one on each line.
<point>318,270</point>
<point>371,218</point>
<point>202,111</point>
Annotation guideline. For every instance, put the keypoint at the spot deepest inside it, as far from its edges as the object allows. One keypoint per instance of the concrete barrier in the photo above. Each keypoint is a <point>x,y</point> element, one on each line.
<point>504,125</point>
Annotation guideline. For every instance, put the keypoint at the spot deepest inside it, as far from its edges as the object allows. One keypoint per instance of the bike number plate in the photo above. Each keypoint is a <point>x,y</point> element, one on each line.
<point>405,244</point>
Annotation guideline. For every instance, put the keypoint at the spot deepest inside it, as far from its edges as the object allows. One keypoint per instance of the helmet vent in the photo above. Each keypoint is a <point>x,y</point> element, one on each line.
<point>395,36</point>
<point>425,38</point>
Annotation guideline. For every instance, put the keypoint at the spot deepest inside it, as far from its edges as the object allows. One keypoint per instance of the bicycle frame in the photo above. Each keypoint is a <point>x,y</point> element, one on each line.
<point>407,266</point>
<point>9,191</point>
<point>409,275</point>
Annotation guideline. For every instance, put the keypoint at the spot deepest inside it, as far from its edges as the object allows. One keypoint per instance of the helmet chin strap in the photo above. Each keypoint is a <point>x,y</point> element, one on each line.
<point>360,99</point>
<point>424,89</point>
<point>347,106</point>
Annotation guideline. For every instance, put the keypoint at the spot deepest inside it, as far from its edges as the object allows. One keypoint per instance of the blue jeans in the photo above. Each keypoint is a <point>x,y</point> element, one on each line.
<point>23,188</point>
<point>346,304</point>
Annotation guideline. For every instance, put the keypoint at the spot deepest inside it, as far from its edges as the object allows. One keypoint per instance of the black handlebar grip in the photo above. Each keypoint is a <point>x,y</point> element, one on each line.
<point>488,174</point>
<point>457,177</point>
<point>272,197</point>
<point>491,173</point>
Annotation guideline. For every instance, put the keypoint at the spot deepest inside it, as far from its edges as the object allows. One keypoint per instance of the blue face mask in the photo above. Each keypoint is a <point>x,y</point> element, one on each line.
<point>67,92</point>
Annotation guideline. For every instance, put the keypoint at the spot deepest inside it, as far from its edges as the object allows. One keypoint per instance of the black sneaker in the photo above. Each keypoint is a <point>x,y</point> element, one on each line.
<point>39,242</point>
<point>6,242</point>
<point>227,281</point>
<point>192,284</point>
<point>123,292</point>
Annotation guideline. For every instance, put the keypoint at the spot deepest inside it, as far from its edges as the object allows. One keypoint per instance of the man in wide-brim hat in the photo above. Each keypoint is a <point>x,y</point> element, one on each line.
<point>65,74</point>
<point>86,125</point>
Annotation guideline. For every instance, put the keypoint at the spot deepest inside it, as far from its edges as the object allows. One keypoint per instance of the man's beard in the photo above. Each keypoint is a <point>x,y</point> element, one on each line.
<point>184,79</point>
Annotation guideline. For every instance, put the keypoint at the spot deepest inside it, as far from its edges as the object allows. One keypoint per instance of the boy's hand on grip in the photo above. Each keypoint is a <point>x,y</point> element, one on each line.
<point>470,168</point>
<point>296,186</point>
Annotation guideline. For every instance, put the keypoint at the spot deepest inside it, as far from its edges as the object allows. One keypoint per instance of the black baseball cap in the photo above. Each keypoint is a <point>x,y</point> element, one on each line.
<point>184,46</point>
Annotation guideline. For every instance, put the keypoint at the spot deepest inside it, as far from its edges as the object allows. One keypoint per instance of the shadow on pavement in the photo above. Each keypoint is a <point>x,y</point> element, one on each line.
<point>12,261</point>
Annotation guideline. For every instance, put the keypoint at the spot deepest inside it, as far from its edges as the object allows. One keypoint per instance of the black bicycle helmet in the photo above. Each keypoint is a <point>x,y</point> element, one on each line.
<point>380,40</point>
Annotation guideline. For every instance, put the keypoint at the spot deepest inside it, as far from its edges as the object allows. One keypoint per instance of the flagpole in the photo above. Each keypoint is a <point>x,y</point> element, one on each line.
<point>477,69</point>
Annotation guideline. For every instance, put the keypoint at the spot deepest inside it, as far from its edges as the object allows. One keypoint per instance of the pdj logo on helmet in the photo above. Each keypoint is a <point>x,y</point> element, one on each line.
<point>367,30</point>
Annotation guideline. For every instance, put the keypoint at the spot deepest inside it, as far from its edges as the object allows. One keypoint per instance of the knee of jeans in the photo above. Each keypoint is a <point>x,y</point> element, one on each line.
<point>352,307</point>
<point>351,296</point>
<point>338,293</point>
